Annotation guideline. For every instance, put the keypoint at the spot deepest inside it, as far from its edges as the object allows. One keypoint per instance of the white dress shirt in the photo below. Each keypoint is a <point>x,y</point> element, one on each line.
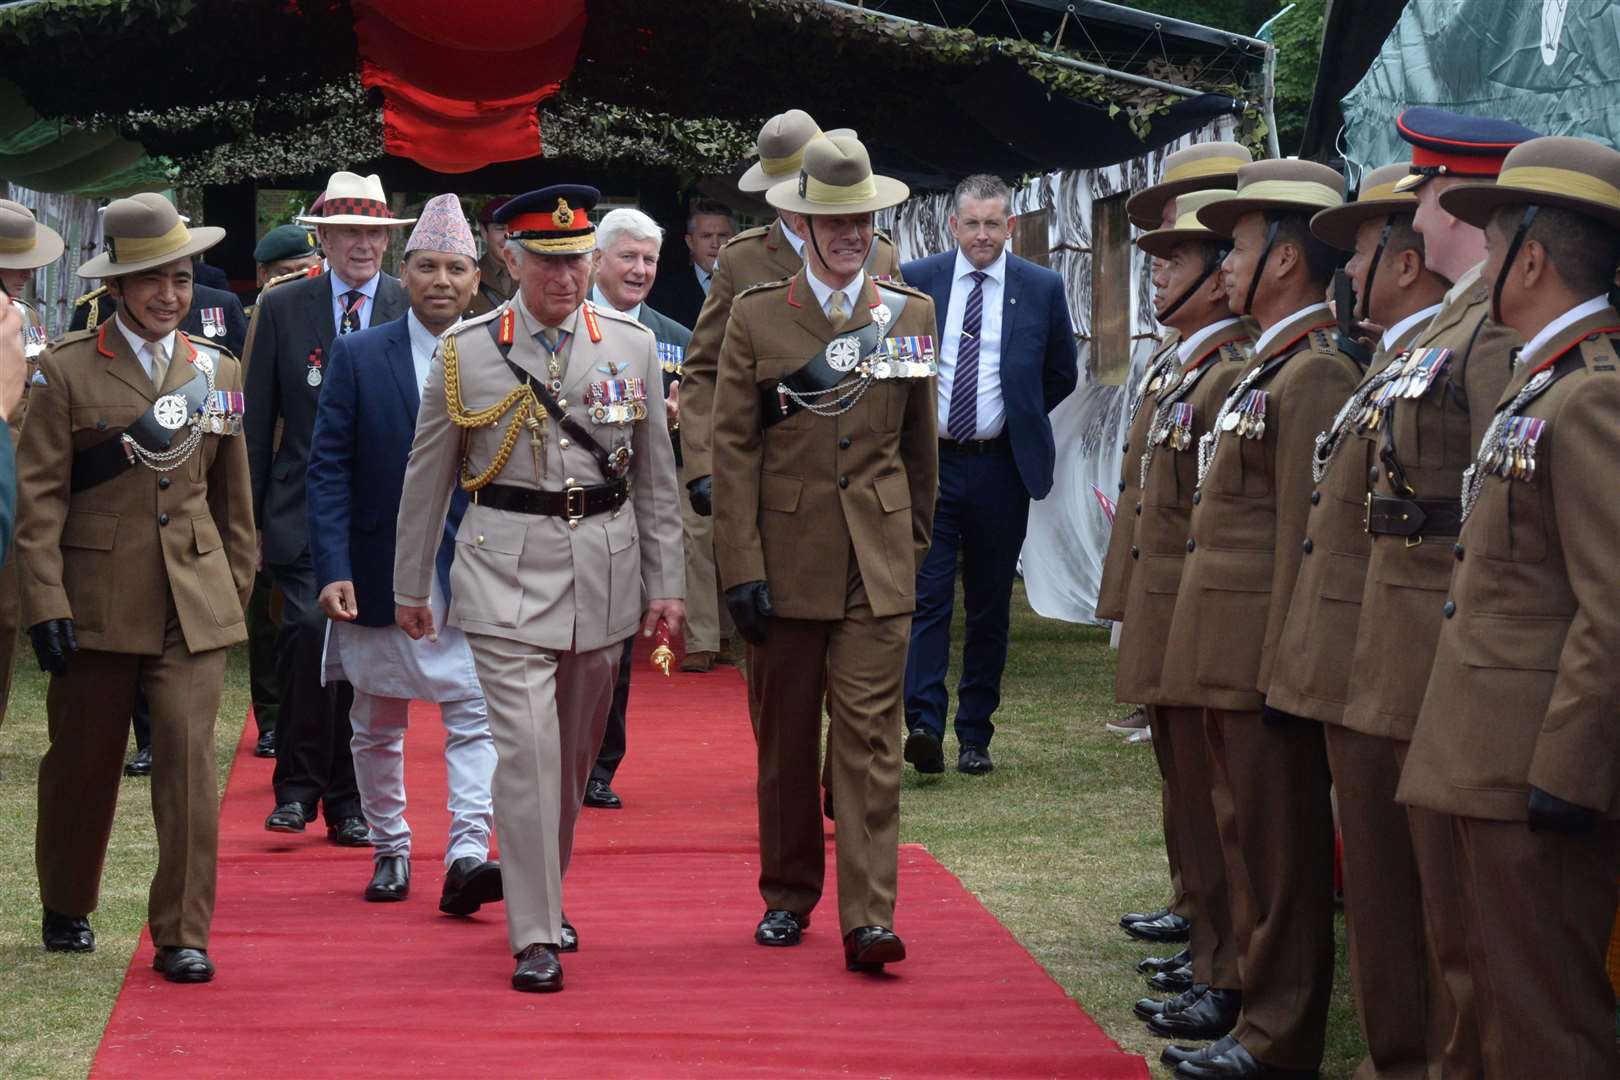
<point>424,343</point>
<point>369,290</point>
<point>143,348</point>
<point>793,240</point>
<point>1394,333</point>
<point>1271,332</point>
<point>991,410</point>
<point>705,278</point>
<point>601,301</point>
<point>1569,318</point>
<point>824,292</point>
<point>1188,349</point>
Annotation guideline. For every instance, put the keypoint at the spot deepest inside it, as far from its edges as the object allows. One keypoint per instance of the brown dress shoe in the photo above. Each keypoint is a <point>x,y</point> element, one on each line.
<point>698,661</point>
<point>538,970</point>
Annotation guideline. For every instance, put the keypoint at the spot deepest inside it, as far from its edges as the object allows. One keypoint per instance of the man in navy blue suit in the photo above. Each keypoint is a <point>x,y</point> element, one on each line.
<point>1006,358</point>
<point>364,425</point>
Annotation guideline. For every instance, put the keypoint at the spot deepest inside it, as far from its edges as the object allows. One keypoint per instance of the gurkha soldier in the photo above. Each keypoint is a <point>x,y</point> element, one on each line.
<point>135,550</point>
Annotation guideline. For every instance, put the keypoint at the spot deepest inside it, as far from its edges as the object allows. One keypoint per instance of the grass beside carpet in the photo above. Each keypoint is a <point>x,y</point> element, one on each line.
<point>1059,840</point>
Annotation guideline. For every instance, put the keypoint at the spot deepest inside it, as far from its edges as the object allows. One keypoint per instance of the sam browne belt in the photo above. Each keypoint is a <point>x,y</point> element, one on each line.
<point>1388,516</point>
<point>573,503</point>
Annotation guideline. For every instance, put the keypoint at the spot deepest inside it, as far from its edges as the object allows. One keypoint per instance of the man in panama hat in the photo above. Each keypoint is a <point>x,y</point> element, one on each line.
<point>135,552</point>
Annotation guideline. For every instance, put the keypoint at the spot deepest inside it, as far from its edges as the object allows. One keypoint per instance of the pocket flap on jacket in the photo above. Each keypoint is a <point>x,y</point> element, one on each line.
<point>779,493</point>
<point>207,534</point>
<point>893,492</point>
<point>1161,574</point>
<point>90,529</point>
<point>1346,577</point>
<point>1514,642</point>
<point>489,532</point>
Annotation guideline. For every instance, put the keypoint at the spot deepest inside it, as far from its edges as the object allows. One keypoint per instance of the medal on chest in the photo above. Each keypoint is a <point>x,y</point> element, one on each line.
<point>314,364</point>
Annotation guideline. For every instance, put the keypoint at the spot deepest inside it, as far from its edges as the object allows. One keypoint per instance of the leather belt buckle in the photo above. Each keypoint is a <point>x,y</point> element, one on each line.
<point>574,505</point>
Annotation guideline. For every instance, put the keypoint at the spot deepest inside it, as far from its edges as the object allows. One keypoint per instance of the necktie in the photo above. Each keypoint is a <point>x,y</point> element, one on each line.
<point>160,364</point>
<point>351,311</point>
<point>838,309</point>
<point>962,422</point>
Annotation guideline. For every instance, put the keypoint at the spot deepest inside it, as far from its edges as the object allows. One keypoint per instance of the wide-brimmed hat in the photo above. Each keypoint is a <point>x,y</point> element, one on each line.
<point>1195,168</point>
<point>1380,197</point>
<point>554,220</point>
<point>352,199</point>
<point>25,244</point>
<point>1555,170</point>
<point>781,146</point>
<point>1188,229</point>
<point>144,231</point>
<point>1286,184</point>
<point>837,178</point>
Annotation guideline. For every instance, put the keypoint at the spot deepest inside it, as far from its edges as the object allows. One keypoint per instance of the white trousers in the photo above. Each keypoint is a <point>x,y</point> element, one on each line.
<point>379,771</point>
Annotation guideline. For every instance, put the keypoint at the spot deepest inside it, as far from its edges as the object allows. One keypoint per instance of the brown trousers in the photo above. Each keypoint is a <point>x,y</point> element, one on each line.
<point>1283,819</point>
<point>1401,999</point>
<point>87,713</point>
<point>857,666</point>
<point>1191,829</point>
<point>707,620</point>
<point>10,620</point>
<point>1434,844</point>
<point>1539,907</point>
<point>1180,902</point>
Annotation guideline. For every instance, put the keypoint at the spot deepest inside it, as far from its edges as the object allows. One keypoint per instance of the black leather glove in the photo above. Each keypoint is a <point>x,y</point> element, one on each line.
<point>54,640</point>
<point>1549,813</point>
<point>701,491</point>
<point>750,605</point>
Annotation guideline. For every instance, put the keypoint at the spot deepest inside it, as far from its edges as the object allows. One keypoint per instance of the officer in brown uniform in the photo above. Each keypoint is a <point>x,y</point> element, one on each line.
<point>1383,912</point>
<point>495,284</point>
<point>1243,555</point>
<point>1518,726</point>
<point>1178,405</point>
<point>135,549</point>
<point>1197,168</point>
<point>826,469</point>
<point>1423,444</point>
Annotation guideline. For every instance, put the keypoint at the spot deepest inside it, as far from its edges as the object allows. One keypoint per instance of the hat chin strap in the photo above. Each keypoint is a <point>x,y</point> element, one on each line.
<point>1372,267</point>
<point>1259,268</point>
<point>1519,234</point>
<point>1212,263</point>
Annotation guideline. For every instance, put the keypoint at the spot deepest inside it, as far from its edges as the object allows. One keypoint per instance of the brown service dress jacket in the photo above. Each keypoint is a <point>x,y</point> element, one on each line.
<point>1157,521</point>
<point>1525,688</point>
<point>1117,563</point>
<point>1434,439</point>
<point>109,557</point>
<point>795,502</point>
<point>752,257</point>
<point>1248,524</point>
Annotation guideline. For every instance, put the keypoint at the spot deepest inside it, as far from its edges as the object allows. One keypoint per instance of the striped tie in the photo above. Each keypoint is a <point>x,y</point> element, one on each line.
<point>962,422</point>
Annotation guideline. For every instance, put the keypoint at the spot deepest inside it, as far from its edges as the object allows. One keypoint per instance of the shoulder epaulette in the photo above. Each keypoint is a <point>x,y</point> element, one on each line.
<point>1322,341</point>
<point>756,233</point>
<point>1599,352</point>
<point>75,335</point>
<point>282,279</point>
<point>477,320</point>
<point>93,294</point>
<point>208,348</point>
<point>762,286</point>
<point>1238,351</point>
<point>900,286</point>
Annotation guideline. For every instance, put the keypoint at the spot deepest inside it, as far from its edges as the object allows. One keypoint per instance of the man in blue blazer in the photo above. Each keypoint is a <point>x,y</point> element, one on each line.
<point>364,424</point>
<point>1006,358</point>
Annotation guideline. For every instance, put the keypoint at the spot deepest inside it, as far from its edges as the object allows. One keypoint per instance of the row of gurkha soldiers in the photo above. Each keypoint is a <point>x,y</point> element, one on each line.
<point>1387,571</point>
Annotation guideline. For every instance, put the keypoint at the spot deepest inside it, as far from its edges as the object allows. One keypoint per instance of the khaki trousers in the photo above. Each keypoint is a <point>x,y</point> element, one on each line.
<point>707,620</point>
<point>1180,902</point>
<point>87,713</point>
<point>857,665</point>
<point>10,620</point>
<point>1400,995</point>
<point>1539,907</point>
<point>1439,862</point>
<point>1283,818</point>
<point>547,712</point>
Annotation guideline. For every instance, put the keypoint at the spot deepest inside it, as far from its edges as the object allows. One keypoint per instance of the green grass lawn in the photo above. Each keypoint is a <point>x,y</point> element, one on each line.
<point>1059,840</point>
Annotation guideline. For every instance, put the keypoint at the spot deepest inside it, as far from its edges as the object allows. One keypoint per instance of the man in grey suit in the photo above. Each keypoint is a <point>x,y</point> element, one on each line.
<point>541,409</point>
<point>293,330</point>
<point>626,265</point>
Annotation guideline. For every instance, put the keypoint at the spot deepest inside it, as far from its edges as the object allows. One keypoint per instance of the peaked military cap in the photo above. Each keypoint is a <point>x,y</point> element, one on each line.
<point>1572,174</point>
<point>555,220</point>
<point>1451,144</point>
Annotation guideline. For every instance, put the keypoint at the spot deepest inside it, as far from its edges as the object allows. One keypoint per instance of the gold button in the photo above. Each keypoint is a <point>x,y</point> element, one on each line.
<point>573,523</point>
<point>480,538</point>
<point>571,482</point>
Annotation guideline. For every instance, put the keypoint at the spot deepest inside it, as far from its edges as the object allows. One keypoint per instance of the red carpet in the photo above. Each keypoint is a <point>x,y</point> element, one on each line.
<point>314,982</point>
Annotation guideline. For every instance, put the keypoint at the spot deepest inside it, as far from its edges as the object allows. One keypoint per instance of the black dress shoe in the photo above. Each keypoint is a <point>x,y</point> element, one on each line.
<point>1147,1008</point>
<point>1236,1063</point>
<point>1141,916</point>
<point>391,880</point>
<point>868,948</point>
<point>288,817</point>
<point>266,746</point>
<point>1168,927</point>
<point>538,970</point>
<point>780,927</point>
<point>140,764</point>
<point>1152,965</point>
<point>1173,981</point>
<point>924,752</point>
<point>1174,1055</point>
<point>349,832</point>
<point>570,937</point>
<point>183,965</point>
<point>600,795</point>
<point>67,933</point>
<point>1214,1014</point>
<point>469,884</point>
<point>974,760</point>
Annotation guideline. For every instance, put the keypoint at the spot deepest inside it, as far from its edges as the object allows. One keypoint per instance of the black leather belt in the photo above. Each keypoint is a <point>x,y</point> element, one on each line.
<point>976,446</point>
<point>572,503</point>
<point>1389,516</point>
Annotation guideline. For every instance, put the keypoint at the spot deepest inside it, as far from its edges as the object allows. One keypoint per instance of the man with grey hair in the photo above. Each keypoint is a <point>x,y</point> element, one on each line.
<point>625,265</point>
<point>1006,358</point>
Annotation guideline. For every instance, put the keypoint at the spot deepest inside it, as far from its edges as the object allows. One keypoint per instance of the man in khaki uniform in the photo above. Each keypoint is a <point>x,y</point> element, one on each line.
<point>547,411</point>
<point>1178,405</point>
<point>135,551</point>
<point>495,284</point>
<point>1206,166</point>
<point>826,465</point>
<point>1243,553</point>
<point>1384,919</point>
<point>1518,725</point>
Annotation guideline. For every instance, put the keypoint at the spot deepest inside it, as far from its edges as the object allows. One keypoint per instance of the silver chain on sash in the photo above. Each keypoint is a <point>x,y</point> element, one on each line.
<point>845,395</point>
<point>175,456</point>
<point>1156,368</point>
<point>1209,441</point>
<point>1179,388</point>
<point>1328,442</point>
<point>1473,480</point>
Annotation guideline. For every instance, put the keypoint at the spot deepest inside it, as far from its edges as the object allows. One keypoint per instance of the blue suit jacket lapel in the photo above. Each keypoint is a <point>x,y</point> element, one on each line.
<point>404,368</point>
<point>939,287</point>
<point>1009,307</point>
